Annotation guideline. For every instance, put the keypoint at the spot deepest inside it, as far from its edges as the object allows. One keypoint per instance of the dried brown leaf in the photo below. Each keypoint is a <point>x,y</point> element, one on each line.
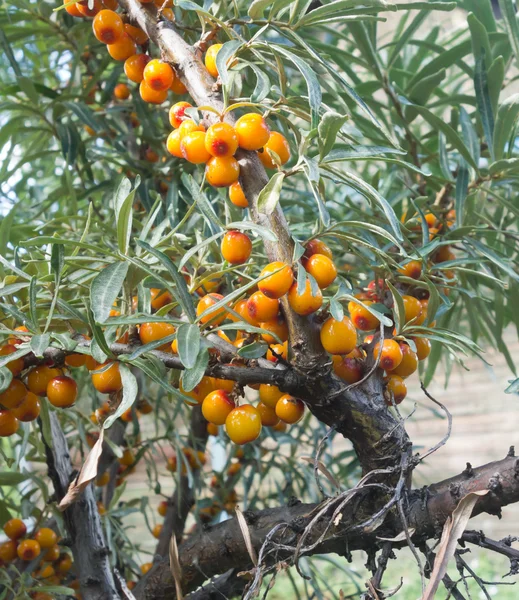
<point>174,565</point>
<point>246,536</point>
<point>323,470</point>
<point>401,537</point>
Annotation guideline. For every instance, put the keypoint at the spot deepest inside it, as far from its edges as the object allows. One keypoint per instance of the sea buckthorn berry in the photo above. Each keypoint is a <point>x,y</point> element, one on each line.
<point>72,9</point>
<point>412,269</point>
<point>88,12</point>
<point>233,469</point>
<point>39,377</point>
<point>146,567</point>
<point>14,395</point>
<point>173,143</point>
<point>151,332</point>
<point>223,384</point>
<point>268,415</point>
<point>396,389</point>
<point>162,508</point>
<point>200,391</point>
<point>305,303</point>
<point>62,391</point>
<point>158,299</point>
<point>322,270</point>
<point>431,219</point>
<point>262,308</point>
<point>8,551</point>
<point>243,424</point>
<point>28,550</point>
<point>221,140</point>
<point>236,195</point>
<point>45,571</point>
<point>158,75</point>
<point>151,156</point>
<point>14,340</point>
<point>277,350</point>
<point>188,126</point>
<point>278,144</point>
<point>107,380</point>
<point>443,254</point>
<point>121,92</point>
<point>423,347</point>
<point>361,317</point>
<point>277,327</point>
<point>338,337</point>
<point>123,48</point>
<point>216,407</point>
<point>236,247</point>
<point>177,113</point>
<point>277,279</point>
<point>150,95</point>
<point>253,131</point>
<point>139,36</point>
<point>240,308</point>
<point>192,146</point>
<point>177,87</point>
<point>210,59</point>
<point>289,409</point>
<point>65,562</point>
<point>134,67</point>
<point>108,27</point>
<point>348,369</point>
<point>29,409</point>
<point>8,423</point>
<point>317,247</point>
<point>212,429</point>
<point>390,354</point>
<point>216,317</point>
<point>75,360</point>
<point>408,364</point>
<point>16,365</point>
<point>269,394</point>
<point>156,531</point>
<point>15,529</point>
<point>52,553</point>
<point>103,479</point>
<point>413,308</point>
<point>222,171</point>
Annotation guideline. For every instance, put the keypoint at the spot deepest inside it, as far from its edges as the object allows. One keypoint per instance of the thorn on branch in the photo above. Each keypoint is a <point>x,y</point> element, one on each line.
<point>469,471</point>
<point>511,452</point>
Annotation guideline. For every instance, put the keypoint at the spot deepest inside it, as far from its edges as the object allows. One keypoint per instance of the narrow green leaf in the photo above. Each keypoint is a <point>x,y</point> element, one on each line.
<point>254,350</point>
<point>507,115</point>
<point>224,54</point>
<point>462,186</point>
<point>329,126</point>
<point>512,28</point>
<point>5,378</point>
<point>192,377</point>
<point>105,289</point>
<point>130,391</point>
<point>123,206</point>
<point>269,196</point>
<point>398,307</point>
<point>188,340</point>
<point>263,232</point>
<point>12,478</point>
<point>40,343</point>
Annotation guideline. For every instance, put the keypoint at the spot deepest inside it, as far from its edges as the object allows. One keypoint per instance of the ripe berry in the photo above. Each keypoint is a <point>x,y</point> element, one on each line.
<point>146,567</point>
<point>212,429</point>
<point>269,394</point>
<point>317,247</point>
<point>158,75</point>
<point>173,143</point>
<point>151,332</point>
<point>277,278</point>
<point>216,317</point>
<point>223,384</point>
<point>240,308</point>
<point>150,95</point>
<point>305,303</point>
<point>200,391</point>
<point>412,269</point>
<point>236,247</point>
<point>158,300</point>
<point>222,171</point>
<point>221,140</point>
<point>88,12</point>
<point>16,365</point>
<point>65,562</point>
<point>162,508</point>
<point>423,347</point>
<point>177,87</point>
<point>14,395</point>
<point>278,326</point>
<point>123,48</point>
<point>139,36</point>
<point>338,337</point>
<point>72,9</point>
<point>268,415</point>
<point>108,380</point>
<point>236,195</point>
<point>39,378</point>
<point>62,391</point>
<point>156,531</point>
<point>15,529</point>
<point>210,59</point>
<point>216,407</point>
<point>413,308</point>
<point>262,308</point>
<point>322,269</point>
<point>76,360</point>
<point>193,149</point>
<point>253,131</point>
<point>28,550</point>
<point>188,126</point>
<point>45,537</point>
<point>29,409</point>
<point>177,113</point>
<point>8,423</point>
<point>396,389</point>
<point>361,317</point>
<point>122,91</point>
<point>289,409</point>
<point>390,354</point>
<point>277,350</point>
<point>108,27</point>
<point>349,369</point>
<point>134,67</point>
<point>52,553</point>
<point>408,364</point>
<point>8,551</point>
<point>443,254</point>
<point>278,144</point>
<point>243,424</point>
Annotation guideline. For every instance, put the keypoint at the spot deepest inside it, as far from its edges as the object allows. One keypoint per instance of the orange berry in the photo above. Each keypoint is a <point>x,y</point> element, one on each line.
<point>233,469</point>
<point>173,143</point>
<point>88,12</point>
<point>236,247</point>
<point>110,4</point>
<point>134,67</point>
<point>278,326</point>
<point>277,279</point>
<point>192,146</point>
<point>151,332</point>
<point>276,350</point>
<point>103,479</point>
<point>216,317</point>
<point>28,550</point>
<point>408,364</point>
<point>177,113</point>
<point>281,426</point>
<point>15,529</point>
<point>121,92</point>
<point>65,562</point>
<point>338,337</point>
<point>243,424</point>
<point>349,369</point>
<point>188,126</point>
<point>8,423</point>
<point>139,36</point>
<point>16,365</point>
<point>390,354</point>
<point>146,567</point>
<point>14,395</point>
<point>123,48</point>
<point>289,409</point>
<point>156,531</point>
<point>158,300</point>
<point>14,340</point>
<point>29,409</point>
<point>253,131</point>
<point>268,415</point>
<point>396,389</point>
<point>151,156</point>
<point>240,308</point>
<point>361,317</point>
<point>127,459</point>
<point>412,269</point>
<point>45,571</point>
<point>322,270</point>
<point>201,390</point>
<point>162,508</point>
<point>317,247</point>
<point>413,308</point>
<point>72,9</point>
<point>210,59</point>
<point>236,195</point>
<point>62,391</point>
<point>52,553</point>
<point>177,87</point>
<point>8,551</point>
<point>76,360</point>
<point>216,407</point>
<point>262,308</point>
<point>108,380</point>
<point>221,140</point>
<point>278,144</point>
<point>305,303</point>
<point>108,27</point>
<point>158,75</point>
<point>443,254</point>
<point>222,171</point>
<point>212,429</point>
<point>223,384</point>
<point>150,95</point>
<point>423,348</point>
<point>430,219</point>
<point>39,377</point>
